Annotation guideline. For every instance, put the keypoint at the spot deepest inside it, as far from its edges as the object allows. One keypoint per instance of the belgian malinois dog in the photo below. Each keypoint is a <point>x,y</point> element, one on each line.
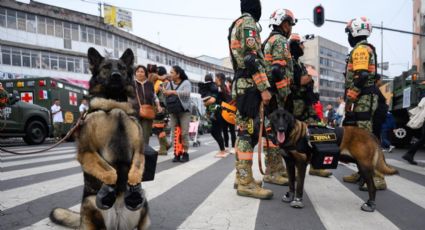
<point>357,145</point>
<point>110,151</point>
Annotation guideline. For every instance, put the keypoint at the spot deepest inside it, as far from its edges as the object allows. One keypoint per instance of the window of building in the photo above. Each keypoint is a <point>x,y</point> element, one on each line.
<point>31,23</point>
<point>11,19</point>
<point>45,61</point>
<point>67,30</point>
<point>50,26</point>
<point>75,33</point>
<point>5,55</point>
<point>86,66</point>
<point>103,38</point>
<point>109,40</point>
<point>90,35</point>
<point>26,58</point>
<point>67,44</point>
<point>41,25</point>
<point>62,63</point>
<point>54,64</point>
<point>83,33</point>
<point>97,39</point>
<point>35,59</point>
<point>2,17</point>
<point>78,65</point>
<point>16,57</point>
<point>58,29</point>
<point>70,64</point>
<point>22,24</point>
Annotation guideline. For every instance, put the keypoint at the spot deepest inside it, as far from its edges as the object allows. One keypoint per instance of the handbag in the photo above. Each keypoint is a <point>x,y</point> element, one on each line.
<point>173,103</point>
<point>146,111</point>
<point>228,112</point>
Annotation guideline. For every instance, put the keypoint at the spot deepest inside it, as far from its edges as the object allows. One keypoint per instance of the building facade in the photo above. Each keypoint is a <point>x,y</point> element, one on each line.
<point>43,40</point>
<point>418,46</point>
<point>328,59</point>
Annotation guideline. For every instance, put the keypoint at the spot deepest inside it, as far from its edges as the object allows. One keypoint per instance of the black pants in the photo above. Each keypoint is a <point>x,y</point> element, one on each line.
<point>418,144</point>
<point>217,130</point>
<point>226,128</point>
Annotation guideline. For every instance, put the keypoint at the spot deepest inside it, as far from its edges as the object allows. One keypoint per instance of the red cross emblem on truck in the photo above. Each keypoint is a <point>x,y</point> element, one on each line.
<point>27,97</point>
<point>73,98</point>
<point>328,160</point>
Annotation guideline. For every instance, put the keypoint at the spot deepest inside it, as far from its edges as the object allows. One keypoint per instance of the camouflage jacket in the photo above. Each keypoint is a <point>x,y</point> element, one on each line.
<point>361,58</point>
<point>245,39</point>
<point>4,97</point>
<point>276,52</point>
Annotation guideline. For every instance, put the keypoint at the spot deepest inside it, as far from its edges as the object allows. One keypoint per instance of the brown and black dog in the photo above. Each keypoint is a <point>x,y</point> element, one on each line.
<point>110,151</point>
<point>357,145</point>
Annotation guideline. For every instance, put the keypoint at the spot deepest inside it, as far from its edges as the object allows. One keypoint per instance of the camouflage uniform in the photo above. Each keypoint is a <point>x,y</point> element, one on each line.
<point>359,96</point>
<point>244,39</point>
<point>302,98</point>
<point>159,123</point>
<point>277,55</point>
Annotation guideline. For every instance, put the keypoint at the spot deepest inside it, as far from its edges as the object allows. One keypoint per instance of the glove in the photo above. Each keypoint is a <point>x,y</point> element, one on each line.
<point>250,63</point>
<point>361,80</point>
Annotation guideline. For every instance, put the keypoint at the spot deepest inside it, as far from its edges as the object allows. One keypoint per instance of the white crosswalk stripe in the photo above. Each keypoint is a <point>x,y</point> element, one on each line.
<point>336,206</point>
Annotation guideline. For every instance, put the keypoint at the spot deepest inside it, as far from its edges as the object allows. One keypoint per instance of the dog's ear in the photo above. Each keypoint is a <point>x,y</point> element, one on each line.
<point>128,57</point>
<point>94,59</point>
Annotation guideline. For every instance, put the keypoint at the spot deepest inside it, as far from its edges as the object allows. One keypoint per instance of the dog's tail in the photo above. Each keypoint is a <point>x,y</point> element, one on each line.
<point>382,166</point>
<point>65,217</point>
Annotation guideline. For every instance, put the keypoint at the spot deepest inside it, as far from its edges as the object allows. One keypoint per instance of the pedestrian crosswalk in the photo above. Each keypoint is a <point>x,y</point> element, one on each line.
<point>199,194</point>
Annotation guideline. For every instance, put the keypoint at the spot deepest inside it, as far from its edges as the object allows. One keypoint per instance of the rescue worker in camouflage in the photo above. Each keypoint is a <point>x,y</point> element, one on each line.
<point>159,123</point>
<point>302,95</point>
<point>361,101</point>
<point>280,74</point>
<point>250,83</point>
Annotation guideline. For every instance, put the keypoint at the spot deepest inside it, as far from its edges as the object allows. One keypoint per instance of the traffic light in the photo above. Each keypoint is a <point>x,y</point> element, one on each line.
<point>319,15</point>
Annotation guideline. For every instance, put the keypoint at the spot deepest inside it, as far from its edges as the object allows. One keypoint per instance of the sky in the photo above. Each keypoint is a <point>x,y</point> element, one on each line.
<point>197,36</point>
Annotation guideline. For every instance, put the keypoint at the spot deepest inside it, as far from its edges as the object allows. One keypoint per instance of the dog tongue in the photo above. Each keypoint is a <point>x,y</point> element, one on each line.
<point>281,137</point>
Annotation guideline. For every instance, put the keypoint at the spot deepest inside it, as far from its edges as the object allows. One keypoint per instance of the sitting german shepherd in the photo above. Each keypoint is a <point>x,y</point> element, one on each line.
<point>110,151</point>
<point>357,145</point>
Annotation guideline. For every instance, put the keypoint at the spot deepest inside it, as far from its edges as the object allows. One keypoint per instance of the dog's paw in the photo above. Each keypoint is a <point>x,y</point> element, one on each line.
<point>134,197</point>
<point>369,206</point>
<point>288,197</point>
<point>297,203</point>
<point>106,196</point>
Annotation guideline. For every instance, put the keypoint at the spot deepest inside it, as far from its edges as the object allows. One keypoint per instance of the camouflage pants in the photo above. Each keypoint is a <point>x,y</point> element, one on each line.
<point>304,112</point>
<point>246,139</point>
<point>368,104</point>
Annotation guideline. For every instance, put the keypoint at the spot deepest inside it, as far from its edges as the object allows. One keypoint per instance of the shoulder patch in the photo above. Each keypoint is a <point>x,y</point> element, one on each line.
<point>360,57</point>
<point>250,32</point>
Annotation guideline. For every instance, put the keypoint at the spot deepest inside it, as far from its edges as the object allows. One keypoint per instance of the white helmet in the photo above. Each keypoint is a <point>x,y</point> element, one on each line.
<point>359,27</point>
<point>281,15</point>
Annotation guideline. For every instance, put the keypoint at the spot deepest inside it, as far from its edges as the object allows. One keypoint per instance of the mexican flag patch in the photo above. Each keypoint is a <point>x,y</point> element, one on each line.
<point>250,33</point>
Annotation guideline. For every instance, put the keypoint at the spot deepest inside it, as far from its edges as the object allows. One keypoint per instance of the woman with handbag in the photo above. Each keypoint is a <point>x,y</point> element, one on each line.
<point>145,99</point>
<point>225,86</point>
<point>177,93</point>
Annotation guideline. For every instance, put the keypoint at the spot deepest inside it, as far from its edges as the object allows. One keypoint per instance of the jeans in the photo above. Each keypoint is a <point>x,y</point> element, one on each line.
<point>385,143</point>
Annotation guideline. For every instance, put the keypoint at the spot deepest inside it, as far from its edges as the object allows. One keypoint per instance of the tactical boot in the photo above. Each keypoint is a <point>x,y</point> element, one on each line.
<point>273,170</point>
<point>235,184</point>
<point>247,186</point>
<point>353,178</point>
<point>319,172</point>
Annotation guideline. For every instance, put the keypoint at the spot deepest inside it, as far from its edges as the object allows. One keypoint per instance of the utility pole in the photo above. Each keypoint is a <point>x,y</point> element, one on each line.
<point>100,9</point>
<point>382,49</point>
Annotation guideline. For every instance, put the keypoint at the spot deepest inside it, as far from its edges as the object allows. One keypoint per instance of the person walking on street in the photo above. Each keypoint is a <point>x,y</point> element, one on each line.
<point>225,90</point>
<point>57,119</point>
<point>84,106</point>
<point>179,88</point>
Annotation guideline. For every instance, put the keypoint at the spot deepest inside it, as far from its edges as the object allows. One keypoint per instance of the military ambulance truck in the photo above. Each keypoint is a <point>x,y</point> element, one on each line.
<point>403,93</point>
<point>42,92</point>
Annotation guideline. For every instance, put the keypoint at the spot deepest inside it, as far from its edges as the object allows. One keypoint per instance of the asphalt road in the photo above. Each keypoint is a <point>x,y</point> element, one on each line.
<point>199,194</point>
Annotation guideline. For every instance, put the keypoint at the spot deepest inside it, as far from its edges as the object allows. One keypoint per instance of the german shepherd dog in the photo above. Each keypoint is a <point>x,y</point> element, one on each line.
<point>357,146</point>
<point>110,151</point>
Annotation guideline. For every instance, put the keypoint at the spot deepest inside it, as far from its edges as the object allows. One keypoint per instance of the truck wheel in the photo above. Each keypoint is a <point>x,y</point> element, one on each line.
<point>35,133</point>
